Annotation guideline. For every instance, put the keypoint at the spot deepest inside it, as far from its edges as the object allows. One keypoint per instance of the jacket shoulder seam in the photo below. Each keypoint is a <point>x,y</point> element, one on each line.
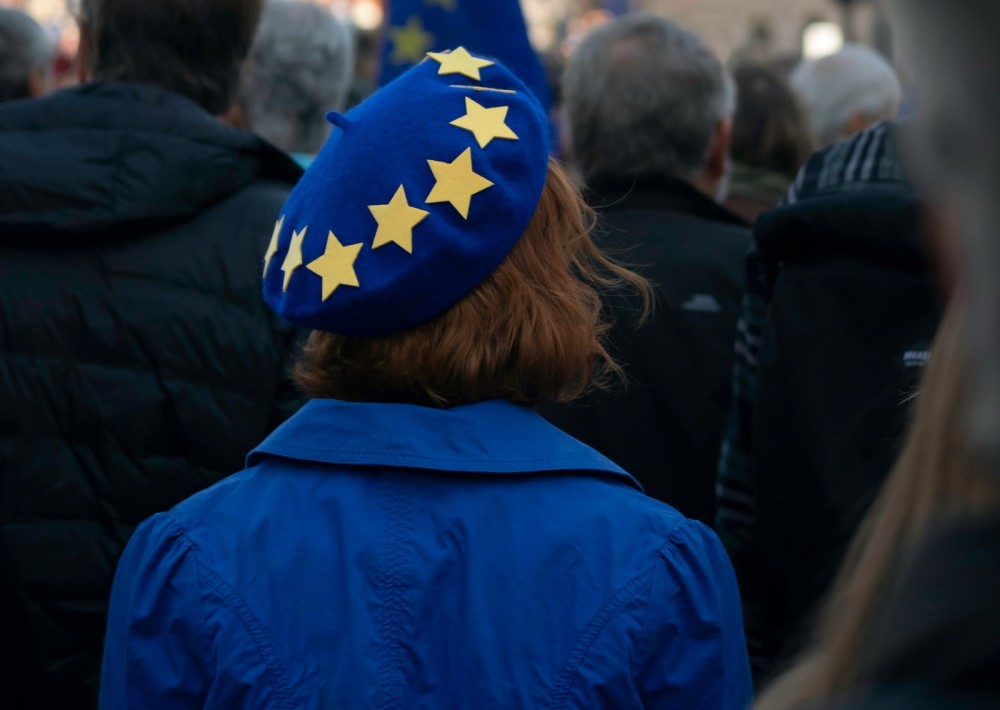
<point>238,606</point>
<point>592,631</point>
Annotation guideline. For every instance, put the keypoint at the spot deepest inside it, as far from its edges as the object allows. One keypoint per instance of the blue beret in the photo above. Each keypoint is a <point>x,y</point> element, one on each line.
<point>418,195</point>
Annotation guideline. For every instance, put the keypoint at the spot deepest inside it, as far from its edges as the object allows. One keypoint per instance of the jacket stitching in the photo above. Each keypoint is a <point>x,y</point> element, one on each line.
<point>189,544</point>
<point>642,653</point>
<point>674,539</point>
<point>593,630</point>
<point>257,635</point>
<point>574,464</point>
<point>391,685</point>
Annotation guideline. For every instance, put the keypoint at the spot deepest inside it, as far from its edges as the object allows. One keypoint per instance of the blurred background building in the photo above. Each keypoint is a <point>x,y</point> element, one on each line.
<point>767,28</point>
<point>759,29</point>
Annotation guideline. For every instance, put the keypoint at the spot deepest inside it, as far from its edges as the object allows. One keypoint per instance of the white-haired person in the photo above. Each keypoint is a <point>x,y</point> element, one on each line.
<point>847,92</point>
<point>300,67</point>
<point>26,56</point>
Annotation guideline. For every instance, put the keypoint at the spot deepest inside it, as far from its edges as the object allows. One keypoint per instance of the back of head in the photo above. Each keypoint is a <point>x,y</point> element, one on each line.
<point>847,91</point>
<point>301,67</point>
<point>643,96</point>
<point>24,48</point>
<point>955,152</point>
<point>193,47</point>
<point>770,129</point>
<point>485,290</point>
<point>533,328</point>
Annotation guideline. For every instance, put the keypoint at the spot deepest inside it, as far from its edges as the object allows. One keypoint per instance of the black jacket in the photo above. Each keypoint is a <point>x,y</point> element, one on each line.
<point>664,426</point>
<point>844,340</point>
<point>138,363</point>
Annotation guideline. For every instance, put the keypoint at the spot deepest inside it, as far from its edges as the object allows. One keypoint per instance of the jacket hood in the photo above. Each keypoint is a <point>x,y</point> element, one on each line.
<point>878,222</point>
<point>106,155</point>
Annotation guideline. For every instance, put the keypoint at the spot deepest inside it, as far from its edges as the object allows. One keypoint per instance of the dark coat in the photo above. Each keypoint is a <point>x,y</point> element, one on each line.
<point>665,425</point>
<point>843,343</point>
<point>138,363</point>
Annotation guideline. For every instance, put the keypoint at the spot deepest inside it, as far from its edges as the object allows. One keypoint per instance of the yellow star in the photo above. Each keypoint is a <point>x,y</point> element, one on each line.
<point>396,221</point>
<point>459,62</point>
<point>293,259</point>
<point>336,266</point>
<point>485,123</point>
<point>456,182</point>
<point>410,42</point>
<point>446,5</point>
<point>272,248</point>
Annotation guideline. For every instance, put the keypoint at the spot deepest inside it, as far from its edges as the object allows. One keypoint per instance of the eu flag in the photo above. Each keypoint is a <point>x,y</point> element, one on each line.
<point>492,28</point>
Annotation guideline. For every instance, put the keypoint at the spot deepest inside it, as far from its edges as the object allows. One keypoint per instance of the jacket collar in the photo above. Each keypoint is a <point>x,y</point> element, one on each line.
<point>492,437</point>
<point>657,193</point>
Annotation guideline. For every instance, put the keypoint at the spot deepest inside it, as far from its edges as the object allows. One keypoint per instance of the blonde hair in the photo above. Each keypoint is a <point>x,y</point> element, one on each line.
<point>935,475</point>
<point>534,328</point>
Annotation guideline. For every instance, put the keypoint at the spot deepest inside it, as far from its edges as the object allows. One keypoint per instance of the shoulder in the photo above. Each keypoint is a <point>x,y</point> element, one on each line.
<point>679,616</point>
<point>42,112</point>
<point>171,618</point>
<point>218,506</point>
<point>253,207</point>
<point>651,537</point>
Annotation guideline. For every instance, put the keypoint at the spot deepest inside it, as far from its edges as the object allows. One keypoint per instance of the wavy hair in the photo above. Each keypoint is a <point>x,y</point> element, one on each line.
<point>534,328</point>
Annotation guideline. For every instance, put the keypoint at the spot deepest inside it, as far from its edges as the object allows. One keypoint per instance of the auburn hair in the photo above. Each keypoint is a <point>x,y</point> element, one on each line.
<point>534,328</point>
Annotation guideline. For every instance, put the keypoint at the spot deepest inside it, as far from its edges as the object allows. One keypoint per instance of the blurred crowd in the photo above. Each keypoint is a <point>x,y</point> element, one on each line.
<point>752,290</point>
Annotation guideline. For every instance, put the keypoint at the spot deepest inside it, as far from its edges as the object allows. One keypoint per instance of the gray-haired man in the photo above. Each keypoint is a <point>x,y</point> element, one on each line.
<point>648,111</point>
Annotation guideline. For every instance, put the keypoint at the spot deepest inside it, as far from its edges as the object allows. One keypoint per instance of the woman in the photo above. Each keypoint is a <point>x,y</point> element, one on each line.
<point>416,536</point>
<point>771,140</point>
<point>935,476</point>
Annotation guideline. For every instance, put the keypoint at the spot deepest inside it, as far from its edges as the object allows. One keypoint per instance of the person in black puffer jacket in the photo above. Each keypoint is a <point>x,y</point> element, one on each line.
<point>138,363</point>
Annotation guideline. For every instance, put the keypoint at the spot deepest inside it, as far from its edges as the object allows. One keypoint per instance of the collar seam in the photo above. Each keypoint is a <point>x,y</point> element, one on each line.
<point>335,456</point>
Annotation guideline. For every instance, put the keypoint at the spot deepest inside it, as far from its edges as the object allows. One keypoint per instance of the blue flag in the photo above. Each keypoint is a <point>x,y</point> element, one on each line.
<point>492,28</point>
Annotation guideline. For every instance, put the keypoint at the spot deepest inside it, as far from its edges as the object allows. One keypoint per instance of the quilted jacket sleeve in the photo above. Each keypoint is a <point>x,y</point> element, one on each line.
<point>156,648</point>
<point>692,643</point>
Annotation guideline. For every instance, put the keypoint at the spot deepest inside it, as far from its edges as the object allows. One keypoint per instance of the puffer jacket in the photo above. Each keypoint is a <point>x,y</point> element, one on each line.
<point>138,363</point>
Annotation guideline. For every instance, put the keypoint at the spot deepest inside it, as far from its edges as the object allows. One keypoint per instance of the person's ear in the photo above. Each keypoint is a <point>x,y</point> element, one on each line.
<point>39,82</point>
<point>858,122</point>
<point>235,117</point>
<point>718,152</point>
<point>713,178</point>
<point>83,56</point>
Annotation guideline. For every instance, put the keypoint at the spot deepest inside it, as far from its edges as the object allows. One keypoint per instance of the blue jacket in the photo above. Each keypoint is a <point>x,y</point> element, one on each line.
<point>396,556</point>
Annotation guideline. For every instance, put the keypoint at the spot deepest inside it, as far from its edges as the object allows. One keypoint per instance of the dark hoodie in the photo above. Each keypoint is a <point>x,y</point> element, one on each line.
<point>138,363</point>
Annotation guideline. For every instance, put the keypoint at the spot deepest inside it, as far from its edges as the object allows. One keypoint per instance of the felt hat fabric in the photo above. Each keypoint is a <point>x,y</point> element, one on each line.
<point>418,195</point>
